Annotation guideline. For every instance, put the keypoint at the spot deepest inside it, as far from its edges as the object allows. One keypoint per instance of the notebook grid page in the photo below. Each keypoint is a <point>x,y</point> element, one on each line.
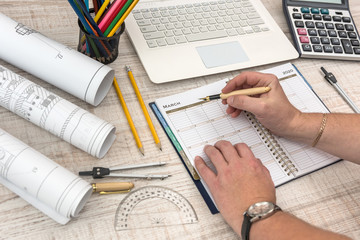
<point>303,156</point>
<point>208,123</point>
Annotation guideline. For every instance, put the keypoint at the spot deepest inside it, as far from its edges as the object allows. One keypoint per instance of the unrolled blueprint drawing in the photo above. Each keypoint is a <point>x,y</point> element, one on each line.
<point>55,114</point>
<point>40,181</point>
<point>53,62</point>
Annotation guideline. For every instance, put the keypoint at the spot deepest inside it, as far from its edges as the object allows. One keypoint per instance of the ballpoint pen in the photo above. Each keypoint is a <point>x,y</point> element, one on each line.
<point>143,107</point>
<point>332,80</point>
<point>248,91</point>
<point>112,187</point>
<point>100,172</point>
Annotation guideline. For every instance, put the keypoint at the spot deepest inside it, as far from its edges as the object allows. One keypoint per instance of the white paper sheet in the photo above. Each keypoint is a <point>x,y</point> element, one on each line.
<point>55,114</point>
<point>195,124</point>
<point>53,62</point>
<point>40,181</point>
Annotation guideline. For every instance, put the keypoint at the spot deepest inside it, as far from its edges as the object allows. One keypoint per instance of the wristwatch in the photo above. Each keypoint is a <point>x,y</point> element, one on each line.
<point>256,212</point>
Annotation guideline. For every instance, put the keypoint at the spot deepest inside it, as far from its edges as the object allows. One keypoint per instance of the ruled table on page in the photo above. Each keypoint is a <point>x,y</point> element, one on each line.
<point>208,123</point>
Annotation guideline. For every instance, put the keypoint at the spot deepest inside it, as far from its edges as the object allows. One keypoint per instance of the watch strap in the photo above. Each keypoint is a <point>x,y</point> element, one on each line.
<point>247,222</point>
<point>245,229</point>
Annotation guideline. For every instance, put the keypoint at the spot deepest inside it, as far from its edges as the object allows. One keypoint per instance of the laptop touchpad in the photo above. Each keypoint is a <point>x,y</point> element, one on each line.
<point>222,54</point>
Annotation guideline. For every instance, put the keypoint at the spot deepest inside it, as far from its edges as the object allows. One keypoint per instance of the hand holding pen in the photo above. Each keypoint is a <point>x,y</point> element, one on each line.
<point>271,108</point>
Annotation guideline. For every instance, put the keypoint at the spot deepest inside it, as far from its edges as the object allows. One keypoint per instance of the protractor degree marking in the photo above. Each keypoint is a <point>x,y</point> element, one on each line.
<point>125,215</point>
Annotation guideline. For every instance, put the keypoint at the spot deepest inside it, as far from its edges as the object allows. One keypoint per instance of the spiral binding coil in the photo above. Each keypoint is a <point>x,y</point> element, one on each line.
<point>273,145</point>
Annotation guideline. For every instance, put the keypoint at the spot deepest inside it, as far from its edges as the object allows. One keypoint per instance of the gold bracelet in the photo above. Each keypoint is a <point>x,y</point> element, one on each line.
<point>321,130</point>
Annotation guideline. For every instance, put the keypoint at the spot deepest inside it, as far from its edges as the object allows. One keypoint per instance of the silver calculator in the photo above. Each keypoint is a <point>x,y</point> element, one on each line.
<point>323,29</point>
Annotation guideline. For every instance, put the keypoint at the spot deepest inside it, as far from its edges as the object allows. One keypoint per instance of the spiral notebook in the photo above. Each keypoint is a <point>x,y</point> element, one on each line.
<point>191,124</point>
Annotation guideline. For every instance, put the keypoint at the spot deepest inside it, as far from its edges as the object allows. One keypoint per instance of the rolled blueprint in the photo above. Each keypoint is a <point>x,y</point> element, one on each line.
<point>55,114</point>
<point>53,62</point>
<point>40,181</point>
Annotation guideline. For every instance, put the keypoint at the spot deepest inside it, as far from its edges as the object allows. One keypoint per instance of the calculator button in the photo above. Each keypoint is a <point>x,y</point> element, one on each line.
<point>306,47</point>
<point>349,27</point>
<point>355,43</point>
<point>335,41</point>
<point>329,25</point>
<point>310,24</point>
<point>312,32</point>
<point>317,17</point>
<point>304,39</point>
<point>342,34</point>
<point>299,23</point>
<point>315,10</point>
<point>320,25</point>
<point>315,40</point>
<point>357,50</point>
<point>317,48</point>
<point>346,19</point>
<point>305,10</point>
<point>322,32</point>
<point>347,46</point>
<point>336,18</point>
<point>296,15</point>
<point>328,49</point>
<point>338,49</point>
<point>307,16</point>
<point>325,40</point>
<point>332,33</point>
<point>324,11</point>
<point>301,31</point>
<point>339,26</point>
<point>326,18</point>
<point>352,35</point>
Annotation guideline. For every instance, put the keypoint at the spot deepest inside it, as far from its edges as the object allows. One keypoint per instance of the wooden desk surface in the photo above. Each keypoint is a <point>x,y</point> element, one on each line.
<point>328,198</point>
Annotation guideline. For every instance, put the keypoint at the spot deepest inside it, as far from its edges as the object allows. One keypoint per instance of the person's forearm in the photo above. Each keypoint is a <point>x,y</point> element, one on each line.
<point>285,226</point>
<point>340,136</point>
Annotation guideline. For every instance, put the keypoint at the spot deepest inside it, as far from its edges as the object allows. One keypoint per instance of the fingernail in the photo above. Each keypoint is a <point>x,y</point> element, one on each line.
<point>230,100</point>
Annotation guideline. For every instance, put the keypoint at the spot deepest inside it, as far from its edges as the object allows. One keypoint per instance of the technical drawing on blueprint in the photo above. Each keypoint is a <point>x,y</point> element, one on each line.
<point>55,114</point>
<point>40,181</point>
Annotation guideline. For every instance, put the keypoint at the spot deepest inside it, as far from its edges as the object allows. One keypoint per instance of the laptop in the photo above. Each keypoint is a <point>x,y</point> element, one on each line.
<point>182,39</point>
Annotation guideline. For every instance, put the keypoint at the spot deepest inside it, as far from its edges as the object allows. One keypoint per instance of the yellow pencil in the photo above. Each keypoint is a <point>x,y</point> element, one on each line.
<point>118,24</point>
<point>143,107</point>
<point>128,117</point>
<point>101,10</point>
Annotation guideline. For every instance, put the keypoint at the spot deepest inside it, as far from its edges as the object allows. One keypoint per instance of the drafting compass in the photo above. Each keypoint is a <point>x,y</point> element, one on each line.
<point>101,172</point>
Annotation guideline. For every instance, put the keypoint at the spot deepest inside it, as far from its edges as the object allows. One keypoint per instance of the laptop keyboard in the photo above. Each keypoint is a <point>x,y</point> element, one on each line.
<point>185,23</point>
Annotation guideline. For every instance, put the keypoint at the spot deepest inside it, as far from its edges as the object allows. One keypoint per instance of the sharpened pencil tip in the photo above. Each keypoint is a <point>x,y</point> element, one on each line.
<point>142,151</point>
<point>159,146</point>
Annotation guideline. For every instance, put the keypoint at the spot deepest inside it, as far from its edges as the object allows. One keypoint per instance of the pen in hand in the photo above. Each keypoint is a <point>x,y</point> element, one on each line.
<point>112,187</point>
<point>248,91</point>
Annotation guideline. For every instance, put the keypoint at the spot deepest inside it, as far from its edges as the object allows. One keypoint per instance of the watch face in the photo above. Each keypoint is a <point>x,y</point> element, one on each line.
<point>261,208</point>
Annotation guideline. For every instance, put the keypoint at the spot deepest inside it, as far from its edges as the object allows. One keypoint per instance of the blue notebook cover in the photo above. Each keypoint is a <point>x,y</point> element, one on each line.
<point>178,148</point>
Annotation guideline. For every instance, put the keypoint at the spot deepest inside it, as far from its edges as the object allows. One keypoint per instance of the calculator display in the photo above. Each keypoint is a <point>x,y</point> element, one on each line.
<point>323,1</point>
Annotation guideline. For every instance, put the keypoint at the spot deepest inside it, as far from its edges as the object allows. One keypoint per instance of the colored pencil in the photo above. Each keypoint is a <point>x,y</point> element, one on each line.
<point>118,24</point>
<point>111,14</point>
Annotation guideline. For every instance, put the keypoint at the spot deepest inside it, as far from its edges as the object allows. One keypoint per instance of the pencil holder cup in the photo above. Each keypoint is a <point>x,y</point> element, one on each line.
<point>102,49</point>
